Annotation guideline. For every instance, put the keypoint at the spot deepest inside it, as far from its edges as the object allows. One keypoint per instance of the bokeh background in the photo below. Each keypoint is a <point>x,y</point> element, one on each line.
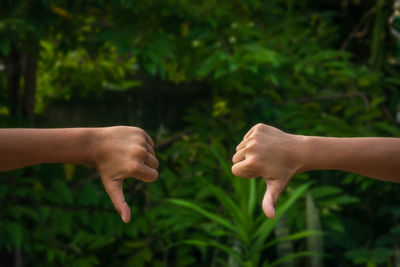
<point>197,75</point>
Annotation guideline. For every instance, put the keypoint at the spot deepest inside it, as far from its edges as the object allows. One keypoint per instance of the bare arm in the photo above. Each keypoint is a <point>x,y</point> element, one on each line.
<point>117,153</point>
<point>377,158</point>
<point>23,147</point>
<point>277,156</point>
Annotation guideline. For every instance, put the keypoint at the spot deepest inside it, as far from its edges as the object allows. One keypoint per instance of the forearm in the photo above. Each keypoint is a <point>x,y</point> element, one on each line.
<point>23,147</point>
<point>377,158</point>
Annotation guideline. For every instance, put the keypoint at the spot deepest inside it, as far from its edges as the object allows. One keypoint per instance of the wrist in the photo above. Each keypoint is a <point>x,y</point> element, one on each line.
<point>90,138</point>
<point>303,153</point>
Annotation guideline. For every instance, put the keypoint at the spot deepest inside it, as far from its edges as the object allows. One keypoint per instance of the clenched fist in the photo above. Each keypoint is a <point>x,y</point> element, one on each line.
<point>270,153</point>
<point>117,152</point>
<point>275,155</point>
<point>121,152</point>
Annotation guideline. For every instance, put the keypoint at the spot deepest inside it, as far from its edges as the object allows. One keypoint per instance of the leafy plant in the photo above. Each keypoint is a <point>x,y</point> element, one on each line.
<point>239,223</point>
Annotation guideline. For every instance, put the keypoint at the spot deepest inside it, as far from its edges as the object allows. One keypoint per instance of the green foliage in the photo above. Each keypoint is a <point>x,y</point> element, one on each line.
<point>246,231</point>
<point>370,257</point>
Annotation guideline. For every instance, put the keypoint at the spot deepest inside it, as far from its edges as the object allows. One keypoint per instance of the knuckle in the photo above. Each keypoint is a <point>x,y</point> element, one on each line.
<point>151,177</point>
<point>139,131</point>
<point>238,147</point>
<point>251,163</point>
<point>152,161</point>
<point>141,152</point>
<point>252,146</point>
<point>255,136</point>
<point>141,142</point>
<point>233,158</point>
<point>235,170</point>
<point>150,148</point>
<point>252,141</point>
<point>142,133</point>
<point>259,126</point>
<point>134,168</point>
<point>248,163</point>
<point>239,171</point>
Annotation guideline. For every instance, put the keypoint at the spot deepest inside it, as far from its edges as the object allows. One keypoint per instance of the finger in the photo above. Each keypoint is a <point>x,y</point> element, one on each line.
<point>243,169</point>
<point>151,161</point>
<point>146,173</point>
<point>149,148</point>
<point>149,140</point>
<point>274,189</point>
<point>249,133</point>
<point>239,156</point>
<point>241,145</point>
<point>115,191</point>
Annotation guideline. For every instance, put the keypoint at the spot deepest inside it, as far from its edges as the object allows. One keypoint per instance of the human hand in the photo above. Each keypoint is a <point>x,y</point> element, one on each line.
<point>270,153</point>
<point>120,152</point>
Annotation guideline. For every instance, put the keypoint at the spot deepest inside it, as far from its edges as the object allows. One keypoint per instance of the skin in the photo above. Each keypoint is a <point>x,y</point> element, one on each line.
<point>116,152</point>
<point>277,156</point>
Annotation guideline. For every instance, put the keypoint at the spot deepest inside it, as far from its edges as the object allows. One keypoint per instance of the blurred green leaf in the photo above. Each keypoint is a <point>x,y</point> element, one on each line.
<point>196,208</point>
